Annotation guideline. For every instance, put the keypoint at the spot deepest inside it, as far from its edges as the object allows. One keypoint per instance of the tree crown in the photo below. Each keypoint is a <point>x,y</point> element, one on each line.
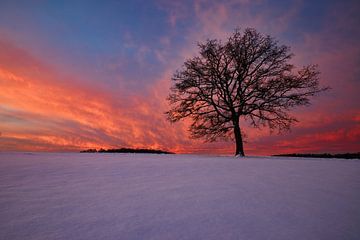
<point>248,76</point>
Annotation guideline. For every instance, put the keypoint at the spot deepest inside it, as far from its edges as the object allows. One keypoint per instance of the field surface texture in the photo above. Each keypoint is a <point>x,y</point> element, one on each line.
<point>144,196</point>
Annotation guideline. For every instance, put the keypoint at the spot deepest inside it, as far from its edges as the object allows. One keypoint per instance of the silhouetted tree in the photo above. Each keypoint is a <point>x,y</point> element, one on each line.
<point>248,76</point>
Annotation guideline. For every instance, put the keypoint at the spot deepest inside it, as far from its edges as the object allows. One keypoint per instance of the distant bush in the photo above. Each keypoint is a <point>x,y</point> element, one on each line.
<point>126,150</point>
<point>322,155</point>
<point>89,151</point>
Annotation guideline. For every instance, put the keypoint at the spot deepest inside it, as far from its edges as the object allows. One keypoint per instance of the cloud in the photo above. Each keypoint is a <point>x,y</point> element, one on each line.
<point>38,107</point>
<point>119,99</point>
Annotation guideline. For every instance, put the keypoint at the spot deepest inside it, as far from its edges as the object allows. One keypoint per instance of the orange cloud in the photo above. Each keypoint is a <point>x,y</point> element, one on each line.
<point>41,109</point>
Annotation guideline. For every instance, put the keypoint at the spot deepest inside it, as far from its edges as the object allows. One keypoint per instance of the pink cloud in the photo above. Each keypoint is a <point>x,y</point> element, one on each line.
<point>44,109</point>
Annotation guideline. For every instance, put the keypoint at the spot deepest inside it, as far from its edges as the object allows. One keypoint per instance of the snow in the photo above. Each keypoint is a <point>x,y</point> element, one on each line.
<point>143,196</point>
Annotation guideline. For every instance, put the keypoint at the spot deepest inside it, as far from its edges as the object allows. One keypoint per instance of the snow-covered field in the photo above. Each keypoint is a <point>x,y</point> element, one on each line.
<point>142,196</point>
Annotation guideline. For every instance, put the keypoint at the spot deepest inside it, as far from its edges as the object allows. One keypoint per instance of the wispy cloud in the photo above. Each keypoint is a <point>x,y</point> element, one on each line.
<point>105,84</point>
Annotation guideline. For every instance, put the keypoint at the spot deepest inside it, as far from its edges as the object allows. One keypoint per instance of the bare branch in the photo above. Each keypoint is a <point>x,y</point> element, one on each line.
<point>248,76</point>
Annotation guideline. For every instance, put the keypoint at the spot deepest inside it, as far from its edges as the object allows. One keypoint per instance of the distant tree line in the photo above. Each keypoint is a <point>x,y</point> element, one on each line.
<point>322,155</point>
<point>126,150</point>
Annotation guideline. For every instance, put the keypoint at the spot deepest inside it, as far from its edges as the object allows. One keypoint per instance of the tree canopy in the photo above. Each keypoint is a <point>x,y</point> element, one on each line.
<point>246,77</point>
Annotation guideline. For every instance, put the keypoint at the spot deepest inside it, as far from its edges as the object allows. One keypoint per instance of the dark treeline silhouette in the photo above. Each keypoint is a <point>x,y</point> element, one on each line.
<point>322,155</point>
<point>126,150</point>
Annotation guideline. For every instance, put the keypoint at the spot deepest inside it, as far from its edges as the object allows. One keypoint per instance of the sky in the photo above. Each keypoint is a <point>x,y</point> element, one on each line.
<point>95,74</point>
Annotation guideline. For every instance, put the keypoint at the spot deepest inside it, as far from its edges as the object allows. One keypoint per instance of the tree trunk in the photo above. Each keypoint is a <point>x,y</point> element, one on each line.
<point>238,140</point>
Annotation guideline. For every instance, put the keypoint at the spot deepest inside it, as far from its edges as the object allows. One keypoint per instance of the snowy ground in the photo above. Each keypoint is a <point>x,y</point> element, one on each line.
<point>141,196</point>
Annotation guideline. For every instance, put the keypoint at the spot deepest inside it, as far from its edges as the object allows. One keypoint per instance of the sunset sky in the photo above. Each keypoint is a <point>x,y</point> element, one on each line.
<point>90,74</point>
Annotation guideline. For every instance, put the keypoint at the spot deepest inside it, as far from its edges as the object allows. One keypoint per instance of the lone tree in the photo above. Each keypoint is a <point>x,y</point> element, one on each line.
<point>247,77</point>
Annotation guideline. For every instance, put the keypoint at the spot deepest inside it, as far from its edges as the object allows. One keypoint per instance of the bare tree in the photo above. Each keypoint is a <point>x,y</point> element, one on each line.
<point>248,76</point>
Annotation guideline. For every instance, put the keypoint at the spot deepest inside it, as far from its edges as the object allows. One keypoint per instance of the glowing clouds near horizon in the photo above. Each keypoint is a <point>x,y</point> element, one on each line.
<point>103,83</point>
<point>41,114</point>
